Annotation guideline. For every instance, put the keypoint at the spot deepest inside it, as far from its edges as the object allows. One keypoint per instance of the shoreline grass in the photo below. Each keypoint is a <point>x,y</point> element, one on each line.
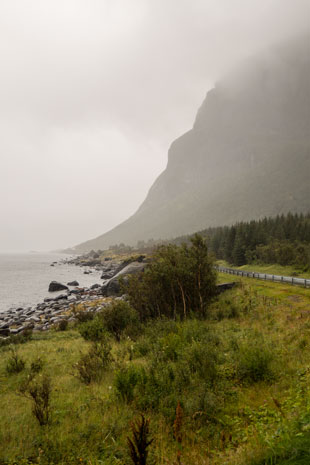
<point>90,423</point>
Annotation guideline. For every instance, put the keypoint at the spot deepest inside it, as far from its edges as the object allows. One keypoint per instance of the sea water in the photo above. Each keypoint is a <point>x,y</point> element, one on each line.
<point>24,278</point>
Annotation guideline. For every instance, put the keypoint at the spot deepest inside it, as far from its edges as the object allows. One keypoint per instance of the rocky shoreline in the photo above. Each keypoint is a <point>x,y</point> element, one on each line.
<point>53,310</point>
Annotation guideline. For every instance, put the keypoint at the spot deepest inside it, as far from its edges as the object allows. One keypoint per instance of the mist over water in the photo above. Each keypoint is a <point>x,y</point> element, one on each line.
<point>24,278</point>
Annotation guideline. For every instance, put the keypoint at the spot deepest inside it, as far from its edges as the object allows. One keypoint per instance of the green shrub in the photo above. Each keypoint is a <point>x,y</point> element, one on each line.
<point>93,330</point>
<point>255,362</point>
<point>202,360</point>
<point>37,365</point>
<point>92,365</point>
<point>202,403</point>
<point>178,281</point>
<point>142,347</point>
<point>82,315</point>
<point>118,317</point>
<point>39,391</point>
<point>62,325</point>
<point>226,308</point>
<point>15,364</point>
<point>125,382</point>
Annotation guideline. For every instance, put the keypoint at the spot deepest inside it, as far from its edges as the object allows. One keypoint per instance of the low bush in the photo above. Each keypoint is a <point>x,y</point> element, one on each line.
<point>118,317</point>
<point>62,325</point>
<point>125,382</point>
<point>255,361</point>
<point>91,366</point>
<point>15,364</point>
<point>93,330</point>
<point>226,308</point>
<point>182,365</point>
<point>82,316</point>
<point>39,391</point>
<point>202,360</point>
<point>37,365</point>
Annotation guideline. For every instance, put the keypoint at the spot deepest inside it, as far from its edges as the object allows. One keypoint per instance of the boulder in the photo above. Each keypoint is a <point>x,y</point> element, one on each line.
<point>225,287</point>
<point>4,332</point>
<point>73,283</point>
<point>16,330</point>
<point>55,286</point>
<point>107,275</point>
<point>95,286</point>
<point>112,287</point>
<point>61,297</point>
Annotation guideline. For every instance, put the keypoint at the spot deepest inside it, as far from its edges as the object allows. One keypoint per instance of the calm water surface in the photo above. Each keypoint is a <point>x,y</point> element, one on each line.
<point>24,278</point>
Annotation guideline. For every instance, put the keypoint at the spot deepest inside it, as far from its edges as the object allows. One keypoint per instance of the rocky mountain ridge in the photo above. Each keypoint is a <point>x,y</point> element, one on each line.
<point>246,157</point>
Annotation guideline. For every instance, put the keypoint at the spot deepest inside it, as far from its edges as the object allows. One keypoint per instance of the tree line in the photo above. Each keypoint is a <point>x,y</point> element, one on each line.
<point>284,240</point>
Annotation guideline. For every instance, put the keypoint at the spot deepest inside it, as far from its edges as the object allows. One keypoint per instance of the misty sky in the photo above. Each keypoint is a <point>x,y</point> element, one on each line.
<point>94,91</point>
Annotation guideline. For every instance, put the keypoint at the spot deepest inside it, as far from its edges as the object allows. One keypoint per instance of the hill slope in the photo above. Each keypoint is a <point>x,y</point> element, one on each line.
<point>247,155</point>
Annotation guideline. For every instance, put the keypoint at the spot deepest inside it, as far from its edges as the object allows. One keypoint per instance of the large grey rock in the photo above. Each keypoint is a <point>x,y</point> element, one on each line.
<point>111,269</point>
<point>95,286</point>
<point>73,283</point>
<point>112,287</point>
<point>56,286</point>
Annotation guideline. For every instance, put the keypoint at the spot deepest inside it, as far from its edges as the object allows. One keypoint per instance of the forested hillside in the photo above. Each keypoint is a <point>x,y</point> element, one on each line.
<point>284,240</point>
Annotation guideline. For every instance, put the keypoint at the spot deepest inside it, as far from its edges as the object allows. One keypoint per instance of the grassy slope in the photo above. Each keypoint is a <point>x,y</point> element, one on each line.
<point>90,421</point>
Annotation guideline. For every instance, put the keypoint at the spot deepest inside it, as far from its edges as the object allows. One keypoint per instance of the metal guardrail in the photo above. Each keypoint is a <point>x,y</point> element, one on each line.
<point>266,277</point>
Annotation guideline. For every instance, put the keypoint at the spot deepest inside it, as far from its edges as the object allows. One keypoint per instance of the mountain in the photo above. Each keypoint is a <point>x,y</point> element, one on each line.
<point>246,157</point>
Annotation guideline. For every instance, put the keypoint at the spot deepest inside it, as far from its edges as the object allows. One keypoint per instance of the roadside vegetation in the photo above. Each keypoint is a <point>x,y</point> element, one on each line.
<point>173,375</point>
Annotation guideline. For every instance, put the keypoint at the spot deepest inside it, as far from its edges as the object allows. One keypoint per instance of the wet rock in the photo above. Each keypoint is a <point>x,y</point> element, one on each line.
<point>56,286</point>
<point>95,286</point>
<point>61,297</point>
<point>4,332</point>
<point>4,325</point>
<point>76,291</point>
<point>73,283</point>
<point>17,330</point>
<point>112,287</point>
<point>225,286</point>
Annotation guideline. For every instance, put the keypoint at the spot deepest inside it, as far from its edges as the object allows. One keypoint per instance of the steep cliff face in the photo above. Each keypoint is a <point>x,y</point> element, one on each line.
<point>247,155</point>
